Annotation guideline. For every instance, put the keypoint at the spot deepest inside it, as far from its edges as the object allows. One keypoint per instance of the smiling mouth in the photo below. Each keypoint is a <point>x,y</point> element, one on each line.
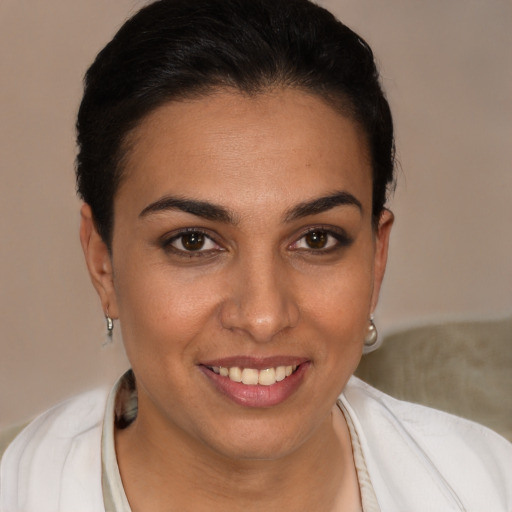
<point>254,377</point>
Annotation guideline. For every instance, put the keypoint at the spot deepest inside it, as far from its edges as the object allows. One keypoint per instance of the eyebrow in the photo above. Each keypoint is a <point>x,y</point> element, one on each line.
<point>214,212</point>
<point>203,209</point>
<point>323,204</point>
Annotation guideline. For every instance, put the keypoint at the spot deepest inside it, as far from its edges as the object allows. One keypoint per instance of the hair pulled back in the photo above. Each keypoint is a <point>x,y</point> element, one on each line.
<point>175,49</point>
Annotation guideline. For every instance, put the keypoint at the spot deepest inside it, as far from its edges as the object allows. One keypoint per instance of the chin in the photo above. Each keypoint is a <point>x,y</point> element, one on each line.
<point>261,439</point>
<point>259,450</point>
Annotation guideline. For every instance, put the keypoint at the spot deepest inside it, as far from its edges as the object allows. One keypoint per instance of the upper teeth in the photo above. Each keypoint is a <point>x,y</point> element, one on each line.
<point>252,376</point>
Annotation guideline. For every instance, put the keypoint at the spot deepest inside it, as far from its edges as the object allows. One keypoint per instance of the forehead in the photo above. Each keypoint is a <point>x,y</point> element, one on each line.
<point>228,146</point>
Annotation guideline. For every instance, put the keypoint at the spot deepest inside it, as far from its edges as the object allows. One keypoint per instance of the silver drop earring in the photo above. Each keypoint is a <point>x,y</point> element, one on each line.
<point>110,327</point>
<point>370,340</point>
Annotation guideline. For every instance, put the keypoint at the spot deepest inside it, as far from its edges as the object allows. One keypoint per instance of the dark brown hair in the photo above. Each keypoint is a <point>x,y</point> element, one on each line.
<point>173,49</point>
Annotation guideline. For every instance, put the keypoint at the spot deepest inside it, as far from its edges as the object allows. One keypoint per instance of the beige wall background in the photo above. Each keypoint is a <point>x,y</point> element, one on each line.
<point>447,68</point>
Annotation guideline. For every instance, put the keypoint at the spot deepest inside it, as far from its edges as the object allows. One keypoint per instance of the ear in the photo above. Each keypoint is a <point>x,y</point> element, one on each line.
<point>99,262</point>
<point>381,253</point>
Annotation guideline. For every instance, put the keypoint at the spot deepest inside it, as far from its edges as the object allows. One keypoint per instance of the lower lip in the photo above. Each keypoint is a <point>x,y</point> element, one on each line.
<point>258,395</point>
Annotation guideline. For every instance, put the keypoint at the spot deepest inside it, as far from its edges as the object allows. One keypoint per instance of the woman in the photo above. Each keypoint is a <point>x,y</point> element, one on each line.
<point>234,160</point>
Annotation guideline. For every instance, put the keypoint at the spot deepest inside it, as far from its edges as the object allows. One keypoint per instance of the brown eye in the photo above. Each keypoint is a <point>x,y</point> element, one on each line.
<point>316,239</point>
<point>322,241</point>
<point>193,241</point>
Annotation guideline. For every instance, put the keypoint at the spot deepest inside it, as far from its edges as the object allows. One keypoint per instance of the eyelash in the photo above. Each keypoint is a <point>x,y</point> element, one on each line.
<point>339,235</point>
<point>342,240</point>
<point>166,244</point>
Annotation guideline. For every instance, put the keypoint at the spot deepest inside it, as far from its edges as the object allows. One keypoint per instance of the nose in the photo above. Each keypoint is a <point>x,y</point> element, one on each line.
<point>261,302</point>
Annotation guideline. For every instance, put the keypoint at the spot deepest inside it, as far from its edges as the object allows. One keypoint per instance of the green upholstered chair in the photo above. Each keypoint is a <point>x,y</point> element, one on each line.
<point>464,368</point>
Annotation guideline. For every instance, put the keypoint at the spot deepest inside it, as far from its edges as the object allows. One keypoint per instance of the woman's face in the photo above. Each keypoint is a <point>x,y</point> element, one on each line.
<point>243,248</point>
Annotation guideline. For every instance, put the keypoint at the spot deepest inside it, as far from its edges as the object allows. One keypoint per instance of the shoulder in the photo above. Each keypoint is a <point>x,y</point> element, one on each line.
<point>7,435</point>
<point>67,420</point>
<point>417,448</point>
<point>53,453</point>
<point>423,420</point>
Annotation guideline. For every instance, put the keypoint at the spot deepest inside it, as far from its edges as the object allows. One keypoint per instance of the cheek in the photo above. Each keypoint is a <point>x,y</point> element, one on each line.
<point>161,310</point>
<point>339,306</point>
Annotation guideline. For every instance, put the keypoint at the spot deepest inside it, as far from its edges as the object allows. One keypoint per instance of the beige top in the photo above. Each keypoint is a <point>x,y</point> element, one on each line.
<point>113,491</point>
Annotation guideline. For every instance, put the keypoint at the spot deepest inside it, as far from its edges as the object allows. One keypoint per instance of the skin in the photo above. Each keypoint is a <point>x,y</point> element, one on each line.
<point>256,289</point>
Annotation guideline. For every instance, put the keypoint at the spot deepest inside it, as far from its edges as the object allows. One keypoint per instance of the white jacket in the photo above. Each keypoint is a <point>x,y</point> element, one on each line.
<point>418,459</point>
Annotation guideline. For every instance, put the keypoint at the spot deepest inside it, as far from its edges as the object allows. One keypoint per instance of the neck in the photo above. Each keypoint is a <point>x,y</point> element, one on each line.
<point>174,472</point>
